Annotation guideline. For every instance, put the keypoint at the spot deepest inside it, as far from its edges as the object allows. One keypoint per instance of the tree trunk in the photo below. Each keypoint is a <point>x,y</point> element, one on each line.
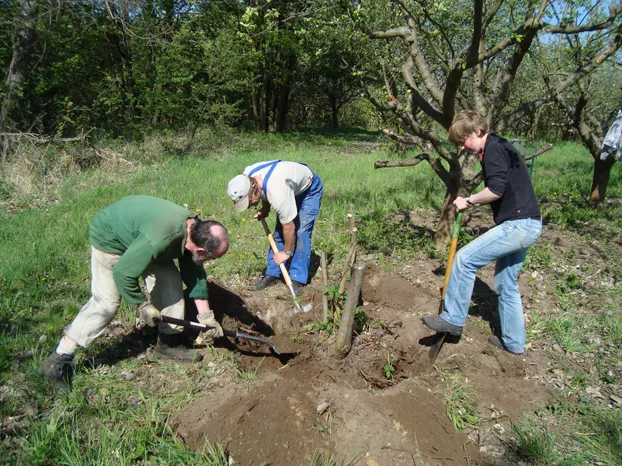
<point>264,102</point>
<point>334,112</point>
<point>256,104</point>
<point>602,171</point>
<point>20,63</point>
<point>282,108</point>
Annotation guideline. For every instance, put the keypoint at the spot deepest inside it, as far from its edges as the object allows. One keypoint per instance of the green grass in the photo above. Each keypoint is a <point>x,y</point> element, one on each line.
<point>247,376</point>
<point>582,434</point>
<point>535,445</point>
<point>460,402</point>
<point>44,279</point>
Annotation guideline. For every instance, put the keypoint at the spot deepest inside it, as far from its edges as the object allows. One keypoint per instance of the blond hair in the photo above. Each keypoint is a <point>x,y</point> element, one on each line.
<point>466,123</point>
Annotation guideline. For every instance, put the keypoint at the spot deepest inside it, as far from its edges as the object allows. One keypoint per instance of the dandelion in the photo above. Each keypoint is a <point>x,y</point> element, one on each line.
<point>42,278</point>
<point>406,169</point>
<point>198,210</point>
<point>244,220</point>
<point>388,186</point>
<point>196,165</point>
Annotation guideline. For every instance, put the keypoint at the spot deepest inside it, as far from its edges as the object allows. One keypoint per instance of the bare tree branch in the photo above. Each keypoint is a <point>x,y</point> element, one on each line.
<point>572,78</point>
<point>440,28</point>
<point>492,12</point>
<point>401,163</point>
<point>434,162</point>
<point>424,70</point>
<point>403,32</point>
<point>614,11</point>
<point>427,107</point>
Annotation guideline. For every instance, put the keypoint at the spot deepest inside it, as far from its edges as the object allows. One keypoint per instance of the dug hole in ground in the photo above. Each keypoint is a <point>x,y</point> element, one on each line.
<point>357,408</point>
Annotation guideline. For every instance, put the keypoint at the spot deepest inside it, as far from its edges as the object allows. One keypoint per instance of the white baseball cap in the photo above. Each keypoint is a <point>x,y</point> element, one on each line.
<point>238,189</point>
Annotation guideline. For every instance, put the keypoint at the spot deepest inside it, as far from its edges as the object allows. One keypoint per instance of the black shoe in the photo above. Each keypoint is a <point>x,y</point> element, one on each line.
<point>264,282</point>
<point>298,287</point>
<point>58,369</point>
<point>442,326</point>
<point>495,341</point>
<point>172,347</point>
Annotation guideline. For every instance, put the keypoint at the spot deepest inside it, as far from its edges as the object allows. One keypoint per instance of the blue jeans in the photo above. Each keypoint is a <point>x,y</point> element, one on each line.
<point>308,204</point>
<point>508,244</point>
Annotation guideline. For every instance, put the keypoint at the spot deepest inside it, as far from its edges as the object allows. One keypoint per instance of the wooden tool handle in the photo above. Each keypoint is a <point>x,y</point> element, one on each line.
<point>453,246</point>
<point>275,250</point>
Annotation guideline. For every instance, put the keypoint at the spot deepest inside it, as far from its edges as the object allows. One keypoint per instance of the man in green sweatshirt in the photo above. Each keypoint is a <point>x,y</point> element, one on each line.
<point>140,236</point>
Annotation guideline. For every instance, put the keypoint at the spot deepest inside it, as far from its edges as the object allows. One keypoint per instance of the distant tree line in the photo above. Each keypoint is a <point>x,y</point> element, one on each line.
<point>126,66</point>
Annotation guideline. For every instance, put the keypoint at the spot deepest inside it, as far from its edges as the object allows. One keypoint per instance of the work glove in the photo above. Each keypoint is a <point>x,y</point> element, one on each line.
<point>149,314</point>
<point>207,318</point>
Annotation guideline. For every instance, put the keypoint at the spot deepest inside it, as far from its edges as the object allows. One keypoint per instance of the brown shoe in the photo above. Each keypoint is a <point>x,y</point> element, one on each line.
<point>58,369</point>
<point>172,347</point>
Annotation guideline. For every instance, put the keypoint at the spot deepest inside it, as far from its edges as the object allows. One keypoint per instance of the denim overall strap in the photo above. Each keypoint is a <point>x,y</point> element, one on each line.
<point>265,179</point>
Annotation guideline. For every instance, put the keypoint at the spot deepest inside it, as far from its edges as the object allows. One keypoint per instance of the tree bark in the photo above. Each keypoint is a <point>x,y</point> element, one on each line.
<point>600,181</point>
<point>334,112</point>
<point>344,335</point>
<point>20,64</point>
<point>283,93</point>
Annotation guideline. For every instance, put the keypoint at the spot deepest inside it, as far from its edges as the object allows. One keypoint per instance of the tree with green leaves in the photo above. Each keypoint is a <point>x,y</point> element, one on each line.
<point>326,81</point>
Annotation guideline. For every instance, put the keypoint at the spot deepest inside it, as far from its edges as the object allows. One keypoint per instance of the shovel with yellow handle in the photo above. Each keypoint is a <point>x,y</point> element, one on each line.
<point>440,337</point>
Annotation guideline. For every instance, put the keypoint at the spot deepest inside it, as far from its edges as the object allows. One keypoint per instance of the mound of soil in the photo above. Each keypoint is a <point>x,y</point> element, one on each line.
<point>352,408</point>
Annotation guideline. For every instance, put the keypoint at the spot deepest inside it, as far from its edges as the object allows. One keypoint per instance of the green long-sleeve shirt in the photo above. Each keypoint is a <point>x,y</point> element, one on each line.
<point>146,229</point>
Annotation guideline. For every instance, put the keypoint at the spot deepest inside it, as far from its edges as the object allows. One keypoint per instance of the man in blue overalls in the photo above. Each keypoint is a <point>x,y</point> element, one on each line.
<point>295,193</point>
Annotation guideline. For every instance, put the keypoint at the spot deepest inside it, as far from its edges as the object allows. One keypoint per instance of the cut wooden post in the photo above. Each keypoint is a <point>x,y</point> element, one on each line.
<point>324,285</point>
<point>344,336</point>
<point>351,254</point>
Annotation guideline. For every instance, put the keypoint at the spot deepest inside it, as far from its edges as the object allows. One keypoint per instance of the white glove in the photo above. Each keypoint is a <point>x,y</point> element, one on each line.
<point>207,318</point>
<point>149,314</point>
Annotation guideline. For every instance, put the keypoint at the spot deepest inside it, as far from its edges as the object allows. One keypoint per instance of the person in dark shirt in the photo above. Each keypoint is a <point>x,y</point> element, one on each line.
<point>515,210</point>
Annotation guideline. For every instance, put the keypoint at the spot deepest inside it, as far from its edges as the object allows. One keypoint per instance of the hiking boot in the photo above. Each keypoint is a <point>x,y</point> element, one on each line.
<point>58,370</point>
<point>264,282</point>
<point>298,287</point>
<point>442,326</point>
<point>495,341</point>
<point>173,347</point>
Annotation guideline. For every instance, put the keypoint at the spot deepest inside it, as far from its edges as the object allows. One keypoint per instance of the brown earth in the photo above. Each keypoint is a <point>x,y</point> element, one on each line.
<point>349,409</point>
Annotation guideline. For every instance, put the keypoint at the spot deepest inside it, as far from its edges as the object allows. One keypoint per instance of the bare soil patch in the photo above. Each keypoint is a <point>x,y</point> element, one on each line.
<point>349,409</point>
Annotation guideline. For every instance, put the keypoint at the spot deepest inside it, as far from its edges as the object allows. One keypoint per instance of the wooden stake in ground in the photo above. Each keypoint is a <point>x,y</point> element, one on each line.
<point>344,335</point>
<point>324,265</point>
<point>351,254</point>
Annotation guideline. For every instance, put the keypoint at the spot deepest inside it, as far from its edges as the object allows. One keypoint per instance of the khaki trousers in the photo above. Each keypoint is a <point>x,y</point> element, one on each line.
<point>164,285</point>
